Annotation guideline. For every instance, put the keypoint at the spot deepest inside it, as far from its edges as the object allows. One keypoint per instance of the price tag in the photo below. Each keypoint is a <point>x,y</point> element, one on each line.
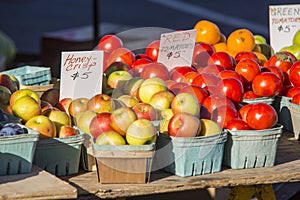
<point>81,74</point>
<point>284,21</point>
<point>176,48</point>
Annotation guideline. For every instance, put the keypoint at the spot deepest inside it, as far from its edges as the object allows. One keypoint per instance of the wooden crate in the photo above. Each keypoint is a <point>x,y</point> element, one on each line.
<point>124,164</point>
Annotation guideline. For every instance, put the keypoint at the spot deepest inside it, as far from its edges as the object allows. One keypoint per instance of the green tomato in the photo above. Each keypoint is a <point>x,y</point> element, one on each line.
<point>296,38</point>
<point>259,39</point>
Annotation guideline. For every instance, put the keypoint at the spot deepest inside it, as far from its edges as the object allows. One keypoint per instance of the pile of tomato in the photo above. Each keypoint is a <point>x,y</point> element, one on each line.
<point>225,71</point>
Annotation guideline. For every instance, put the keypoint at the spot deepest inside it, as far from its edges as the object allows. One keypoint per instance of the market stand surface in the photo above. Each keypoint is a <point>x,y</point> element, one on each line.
<point>286,169</point>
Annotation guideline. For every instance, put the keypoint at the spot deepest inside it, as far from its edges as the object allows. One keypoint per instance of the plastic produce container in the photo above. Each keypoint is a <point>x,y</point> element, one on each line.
<point>31,75</point>
<point>284,114</point>
<point>295,118</point>
<point>17,152</point>
<point>251,148</point>
<point>59,156</point>
<point>124,164</point>
<point>268,100</point>
<point>190,156</point>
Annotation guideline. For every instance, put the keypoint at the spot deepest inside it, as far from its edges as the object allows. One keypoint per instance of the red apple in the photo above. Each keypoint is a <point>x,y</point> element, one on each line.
<point>138,65</point>
<point>63,104</point>
<point>184,125</point>
<point>155,69</point>
<point>177,73</point>
<point>7,81</point>
<point>84,120</point>
<point>121,118</point>
<point>199,92</point>
<point>67,131</point>
<point>43,125</point>
<point>145,111</point>
<point>100,103</point>
<point>51,95</point>
<point>223,114</point>
<point>100,123</point>
<point>77,105</point>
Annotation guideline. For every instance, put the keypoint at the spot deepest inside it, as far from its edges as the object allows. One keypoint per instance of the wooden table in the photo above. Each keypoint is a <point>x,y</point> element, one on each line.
<point>38,184</point>
<point>286,169</point>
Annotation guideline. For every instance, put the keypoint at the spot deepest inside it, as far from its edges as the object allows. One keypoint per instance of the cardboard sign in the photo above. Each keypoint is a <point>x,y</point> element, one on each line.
<point>176,48</point>
<point>81,74</point>
<point>284,21</point>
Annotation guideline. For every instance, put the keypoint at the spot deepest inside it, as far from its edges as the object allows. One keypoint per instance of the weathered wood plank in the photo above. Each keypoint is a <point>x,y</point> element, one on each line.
<point>38,184</point>
<point>286,169</point>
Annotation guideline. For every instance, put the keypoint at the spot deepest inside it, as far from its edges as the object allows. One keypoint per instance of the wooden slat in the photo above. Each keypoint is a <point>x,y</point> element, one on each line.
<point>286,169</point>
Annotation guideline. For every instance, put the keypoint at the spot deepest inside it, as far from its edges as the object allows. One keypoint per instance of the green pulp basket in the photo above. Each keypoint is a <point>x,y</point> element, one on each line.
<point>251,148</point>
<point>17,152</point>
<point>59,156</point>
<point>190,156</point>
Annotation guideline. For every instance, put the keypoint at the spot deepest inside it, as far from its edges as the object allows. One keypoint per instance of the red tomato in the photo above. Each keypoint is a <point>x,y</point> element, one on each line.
<point>176,87</point>
<point>177,73</point>
<point>292,91</point>
<point>266,84</point>
<point>221,58</point>
<point>189,77</point>
<point>231,88</point>
<point>281,60</point>
<point>215,100</point>
<point>246,54</point>
<point>196,90</point>
<point>250,95</point>
<point>248,69</point>
<point>212,69</point>
<point>142,56</point>
<point>109,43</point>
<point>152,50</point>
<point>201,54</point>
<point>285,90</point>
<point>296,98</point>
<point>205,80</point>
<point>121,55</point>
<point>294,74</point>
<point>261,116</point>
<point>243,111</point>
<point>230,74</point>
<point>138,65</point>
<point>275,70</point>
<point>237,124</point>
<point>223,114</point>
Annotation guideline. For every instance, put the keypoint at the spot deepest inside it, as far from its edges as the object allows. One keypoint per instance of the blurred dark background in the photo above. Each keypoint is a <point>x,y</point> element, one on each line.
<point>41,29</point>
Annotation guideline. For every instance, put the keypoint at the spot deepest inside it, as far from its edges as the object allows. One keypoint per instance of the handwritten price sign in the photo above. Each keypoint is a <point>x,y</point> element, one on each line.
<point>284,21</point>
<point>176,48</point>
<point>81,74</point>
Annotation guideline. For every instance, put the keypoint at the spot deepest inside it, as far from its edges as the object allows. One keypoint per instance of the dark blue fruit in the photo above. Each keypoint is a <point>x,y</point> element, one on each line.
<point>10,129</point>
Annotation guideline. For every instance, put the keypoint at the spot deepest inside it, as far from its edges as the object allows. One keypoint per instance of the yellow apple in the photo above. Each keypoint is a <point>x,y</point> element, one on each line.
<point>117,77</point>
<point>141,132</point>
<point>77,105</point>
<point>185,102</point>
<point>24,92</point>
<point>209,127</point>
<point>25,108</point>
<point>165,114</point>
<point>162,100</point>
<point>128,100</point>
<point>84,121</point>
<point>110,137</point>
<point>149,87</point>
<point>121,119</point>
<point>43,125</point>
<point>60,118</point>
<point>132,85</point>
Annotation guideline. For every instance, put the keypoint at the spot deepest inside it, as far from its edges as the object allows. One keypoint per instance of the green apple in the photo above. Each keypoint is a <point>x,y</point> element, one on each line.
<point>117,77</point>
<point>25,108</point>
<point>84,121</point>
<point>149,87</point>
<point>209,127</point>
<point>296,38</point>
<point>141,132</point>
<point>5,94</point>
<point>43,125</point>
<point>110,137</point>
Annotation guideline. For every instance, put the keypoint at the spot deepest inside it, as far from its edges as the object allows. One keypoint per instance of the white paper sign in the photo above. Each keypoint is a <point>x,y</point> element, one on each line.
<point>176,48</point>
<point>81,74</point>
<point>284,21</point>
